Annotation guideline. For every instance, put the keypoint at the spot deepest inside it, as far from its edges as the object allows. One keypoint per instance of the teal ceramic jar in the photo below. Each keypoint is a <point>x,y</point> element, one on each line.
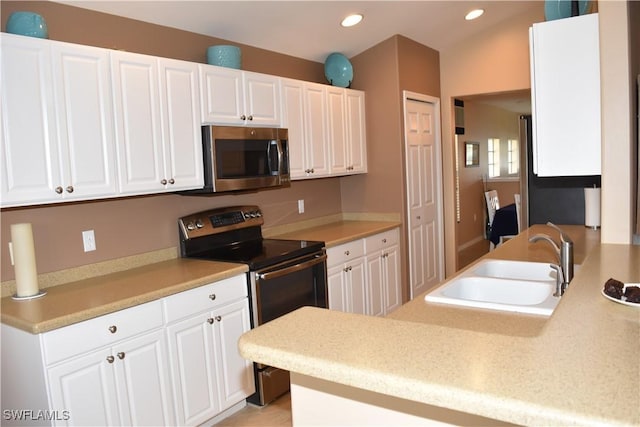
<point>27,24</point>
<point>224,56</point>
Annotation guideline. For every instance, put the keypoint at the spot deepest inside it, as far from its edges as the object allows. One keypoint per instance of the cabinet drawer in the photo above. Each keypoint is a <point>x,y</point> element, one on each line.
<point>91,334</point>
<point>205,297</point>
<point>382,240</point>
<point>345,252</point>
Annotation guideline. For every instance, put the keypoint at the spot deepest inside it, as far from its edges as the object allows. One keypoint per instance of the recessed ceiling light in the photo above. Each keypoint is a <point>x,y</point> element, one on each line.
<point>351,20</point>
<point>476,13</point>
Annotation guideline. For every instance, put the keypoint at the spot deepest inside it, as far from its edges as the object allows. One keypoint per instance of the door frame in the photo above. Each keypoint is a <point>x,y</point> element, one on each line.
<point>419,97</point>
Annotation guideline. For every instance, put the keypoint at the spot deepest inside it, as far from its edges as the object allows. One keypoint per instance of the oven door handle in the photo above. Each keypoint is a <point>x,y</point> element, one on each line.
<point>297,267</point>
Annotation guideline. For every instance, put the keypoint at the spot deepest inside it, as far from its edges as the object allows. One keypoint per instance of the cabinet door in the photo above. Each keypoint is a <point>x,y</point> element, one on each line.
<point>293,119</point>
<point>182,137</point>
<point>357,294</point>
<point>138,127</point>
<point>393,292</point>
<point>193,369</point>
<point>565,87</point>
<point>336,285</point>
<point>86,387</point>
<point>262,99</point>
<point>375,284</point>
<point>30,162</point>
<point>143,381</point>
<point>222,95</point>
<point>356,131</point>
<point>82,81</point>
<point>316,136</point>
<point>236,373</point>
<point>337,130</point>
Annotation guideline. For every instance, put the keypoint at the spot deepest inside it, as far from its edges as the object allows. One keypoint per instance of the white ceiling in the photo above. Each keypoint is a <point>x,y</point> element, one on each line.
<point>311,29</point>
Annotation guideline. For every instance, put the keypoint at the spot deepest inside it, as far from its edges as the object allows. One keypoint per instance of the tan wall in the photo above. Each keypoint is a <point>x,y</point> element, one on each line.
<point>481,122</point>
<point>494,61</point>
<point>383,72</point>
<point>136,225</point>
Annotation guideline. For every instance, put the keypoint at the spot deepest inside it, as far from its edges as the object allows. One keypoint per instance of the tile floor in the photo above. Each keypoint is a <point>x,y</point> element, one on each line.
<point>276,414</point>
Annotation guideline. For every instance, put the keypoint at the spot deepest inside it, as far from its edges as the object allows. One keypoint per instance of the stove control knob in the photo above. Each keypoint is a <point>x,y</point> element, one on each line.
<point>199,223</point>
<point>253,214</point>
<point>258,214</point>
<point>191,226</point>
<point>246,214</point>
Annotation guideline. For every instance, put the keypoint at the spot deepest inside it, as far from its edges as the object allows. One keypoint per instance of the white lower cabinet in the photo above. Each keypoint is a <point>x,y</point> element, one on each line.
<point>173,361</point>
<point>364,275</point>
<point>209,375</point>
<point>346,278</point>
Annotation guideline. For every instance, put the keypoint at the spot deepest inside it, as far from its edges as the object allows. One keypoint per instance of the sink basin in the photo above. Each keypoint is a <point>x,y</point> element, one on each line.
<point>517,270</point>
<point>514,286</point>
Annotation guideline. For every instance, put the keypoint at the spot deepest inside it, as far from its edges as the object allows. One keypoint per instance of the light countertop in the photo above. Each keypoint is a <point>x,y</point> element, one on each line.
<point>85,299</point>
<point>577,367</point>
<point>340,232</point>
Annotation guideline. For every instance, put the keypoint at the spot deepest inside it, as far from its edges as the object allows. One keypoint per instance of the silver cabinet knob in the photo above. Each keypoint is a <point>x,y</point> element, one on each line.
<point>218,318</point>
<point>346,253</point>
<point>250,118</point>
<point>110,359</point>
<point>243,117</point>
<point>113,329</point>
<point>172,181</point>
<point>163,182</point>
<point>70,189</point>
<point>212,297</point>
<point>59,190</point>
<point>210,320</point>
<point>121,355</point>
<point>384,240</point>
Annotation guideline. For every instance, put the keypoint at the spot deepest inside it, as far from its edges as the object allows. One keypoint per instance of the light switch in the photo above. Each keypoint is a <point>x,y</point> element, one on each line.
<point>89,240</point>
<point>301,206</point>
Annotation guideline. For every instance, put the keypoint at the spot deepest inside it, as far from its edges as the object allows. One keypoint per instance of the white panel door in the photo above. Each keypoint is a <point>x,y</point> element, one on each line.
<point>222,95</point>
<point>426,250</point>
<point>262,99</point>
<point>143,382</point>
<point>86,387</point>
<point>357,286</point>
<point>337,129</point>
<point>82,81</point>
<point>393,290</point>
<point>293,120</point>
<point>316,134</point>
<point>30,163</point>
<point>193,367</point>
<point>138,123</point>
<point>336,287</point>
<point>182,135</point>
<point>375,284</point>
<point>356,131</point>
<point>236,372</point>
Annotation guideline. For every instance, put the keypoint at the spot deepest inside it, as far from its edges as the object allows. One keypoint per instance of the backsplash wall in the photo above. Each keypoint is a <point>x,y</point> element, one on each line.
<point>130,226</point>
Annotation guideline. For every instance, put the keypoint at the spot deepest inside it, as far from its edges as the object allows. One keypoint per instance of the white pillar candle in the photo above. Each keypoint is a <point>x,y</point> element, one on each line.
<point>592,207</point>
<point>24,260</point>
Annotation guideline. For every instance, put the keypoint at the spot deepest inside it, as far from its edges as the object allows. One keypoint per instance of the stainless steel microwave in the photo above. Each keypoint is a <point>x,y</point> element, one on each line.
<point>244,158</point>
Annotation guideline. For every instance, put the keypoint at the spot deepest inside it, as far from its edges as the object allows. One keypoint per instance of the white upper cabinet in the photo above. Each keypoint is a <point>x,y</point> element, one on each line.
<point>235,97</point>
<point>356,131</point>
<point>57,123</point>
<point>157,127</point>
<point>565,90</point>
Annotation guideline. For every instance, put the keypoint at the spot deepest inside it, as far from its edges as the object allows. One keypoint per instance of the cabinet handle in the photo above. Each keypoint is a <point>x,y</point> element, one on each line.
<point>121,355</point>
<point>70,189</point>
<point>59,190</point>
<point>250,118</point>
<point>313,170</point>
<point>113,329</point>
<point>384,240</point>
<point>218,318</point>
<point>243,117</point>
<point>172,181</point>
<point>110,359</point>
<point>210,320</point>
<point>212,297</point>
<point>163,182</point>
<point>346,253</point>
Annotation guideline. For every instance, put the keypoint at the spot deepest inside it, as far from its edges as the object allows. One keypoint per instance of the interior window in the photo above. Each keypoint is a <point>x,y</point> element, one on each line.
<point>493,157</point>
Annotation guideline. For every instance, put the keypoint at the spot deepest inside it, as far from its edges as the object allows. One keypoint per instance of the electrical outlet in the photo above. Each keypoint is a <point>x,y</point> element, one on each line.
<point>89,240</point>
<point>301,206</point>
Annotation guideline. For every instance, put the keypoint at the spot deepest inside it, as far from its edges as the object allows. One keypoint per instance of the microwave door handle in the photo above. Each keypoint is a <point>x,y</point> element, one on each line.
<point>272,143</point>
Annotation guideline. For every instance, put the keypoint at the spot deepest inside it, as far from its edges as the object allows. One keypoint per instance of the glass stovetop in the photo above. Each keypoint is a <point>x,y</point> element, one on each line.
<point>261,253</point>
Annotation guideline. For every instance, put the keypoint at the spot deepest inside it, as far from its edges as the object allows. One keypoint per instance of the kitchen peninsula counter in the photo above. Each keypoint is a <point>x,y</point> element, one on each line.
<point>577,367</point>
<point>85,299</point>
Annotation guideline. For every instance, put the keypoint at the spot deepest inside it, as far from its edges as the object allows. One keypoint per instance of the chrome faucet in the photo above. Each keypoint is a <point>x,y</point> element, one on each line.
<point>564,252</point>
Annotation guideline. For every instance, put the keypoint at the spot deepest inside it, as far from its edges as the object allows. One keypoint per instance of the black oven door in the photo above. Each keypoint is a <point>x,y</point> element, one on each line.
<point>285,287</point>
